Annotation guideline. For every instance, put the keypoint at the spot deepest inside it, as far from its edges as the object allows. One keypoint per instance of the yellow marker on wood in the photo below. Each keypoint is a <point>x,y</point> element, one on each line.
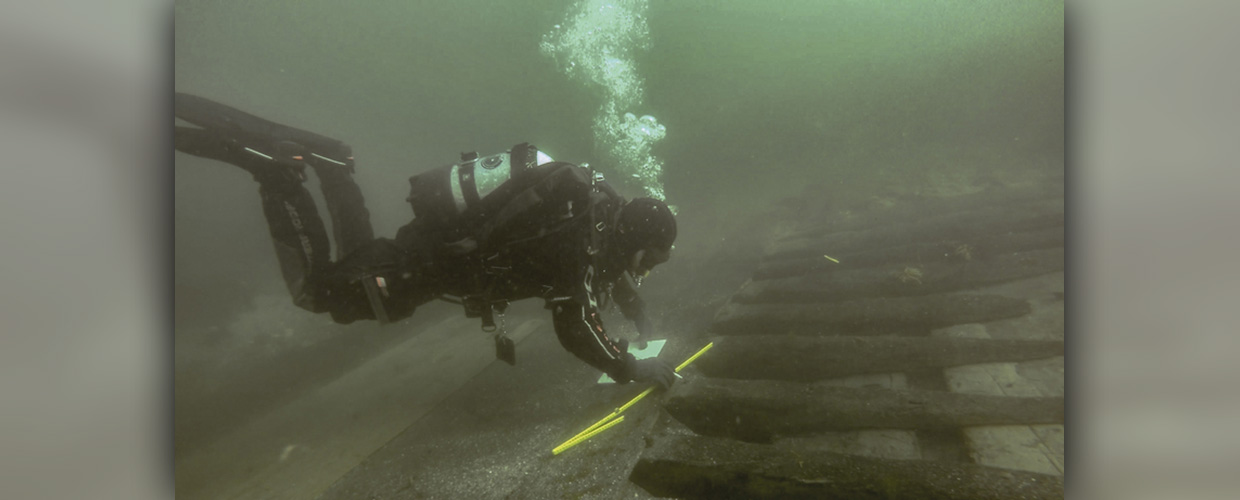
<point>607,421</point>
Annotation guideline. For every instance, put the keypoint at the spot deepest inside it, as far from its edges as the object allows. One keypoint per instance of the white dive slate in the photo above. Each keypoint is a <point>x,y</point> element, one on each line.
<point>652,349</point>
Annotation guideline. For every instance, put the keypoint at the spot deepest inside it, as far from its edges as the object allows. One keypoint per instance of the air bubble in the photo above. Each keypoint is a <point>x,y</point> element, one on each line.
<point>595,45</point>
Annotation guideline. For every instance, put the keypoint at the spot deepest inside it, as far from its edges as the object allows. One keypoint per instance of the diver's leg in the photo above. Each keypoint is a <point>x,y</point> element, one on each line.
<point>276,155</point>
<point>345,204</point>
<point>256,144</point>
<point>300,240</point>
<point>380,280</point>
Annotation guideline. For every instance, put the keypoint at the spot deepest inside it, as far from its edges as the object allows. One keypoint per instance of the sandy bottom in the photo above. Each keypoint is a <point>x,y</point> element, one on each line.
<point>298,449</point>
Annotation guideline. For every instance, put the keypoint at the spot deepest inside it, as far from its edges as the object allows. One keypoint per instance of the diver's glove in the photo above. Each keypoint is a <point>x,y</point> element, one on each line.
<point>649,370</point>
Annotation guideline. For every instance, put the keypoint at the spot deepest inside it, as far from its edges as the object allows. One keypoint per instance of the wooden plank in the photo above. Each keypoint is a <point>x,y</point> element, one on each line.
<point>961,226</point>
<point>711,468</point>
<point>947,252</point>
<point>904,280</point>
<point>807,359</point>
<point>759,410</point>
<point>867,316</point>
<point>895,444</point>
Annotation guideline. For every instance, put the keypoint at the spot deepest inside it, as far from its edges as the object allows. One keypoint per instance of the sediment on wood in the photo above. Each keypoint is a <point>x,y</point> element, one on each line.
<point>962,226</point>
<point>806,359</point>
<point>945,252</point>
<point>712,468</point>
<point>760,410</point>
<point>913,315</point>
<point>903,280</point>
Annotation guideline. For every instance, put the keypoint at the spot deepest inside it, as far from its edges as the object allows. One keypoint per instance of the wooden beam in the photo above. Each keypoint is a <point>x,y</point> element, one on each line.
<point>868,316</point>
<point>760,410</point>
<point>944,252</point>
<point>911,278</point>
<point>711,468</point>
<point>960,226</point>
<point>806,359</point>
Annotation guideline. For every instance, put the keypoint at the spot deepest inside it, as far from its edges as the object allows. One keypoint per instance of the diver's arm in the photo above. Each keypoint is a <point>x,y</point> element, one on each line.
<point>581,332</point>
<point>633,307</point>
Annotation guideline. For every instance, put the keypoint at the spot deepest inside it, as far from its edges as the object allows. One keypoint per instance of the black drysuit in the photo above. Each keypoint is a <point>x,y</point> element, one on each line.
<point>545,233</point>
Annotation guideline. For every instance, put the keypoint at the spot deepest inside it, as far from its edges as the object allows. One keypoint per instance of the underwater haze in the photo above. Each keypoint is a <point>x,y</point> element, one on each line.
<point>727,109</point>
<point>758,98</point>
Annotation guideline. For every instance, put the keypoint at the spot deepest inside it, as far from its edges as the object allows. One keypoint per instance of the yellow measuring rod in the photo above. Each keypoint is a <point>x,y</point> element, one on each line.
<point>607,421</point>
<point>582,437</point>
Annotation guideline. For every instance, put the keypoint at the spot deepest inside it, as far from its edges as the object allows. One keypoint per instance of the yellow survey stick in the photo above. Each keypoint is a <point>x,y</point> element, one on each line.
<point>643,394</point>
<point>605,424</point>
<point>573,442</point>
<point>695,356</point>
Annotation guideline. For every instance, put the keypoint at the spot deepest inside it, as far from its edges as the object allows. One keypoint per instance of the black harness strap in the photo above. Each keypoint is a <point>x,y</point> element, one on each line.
<point>469,188</point>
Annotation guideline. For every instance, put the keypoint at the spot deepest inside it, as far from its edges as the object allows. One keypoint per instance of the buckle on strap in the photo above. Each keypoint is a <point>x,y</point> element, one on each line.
<point>480,307</point>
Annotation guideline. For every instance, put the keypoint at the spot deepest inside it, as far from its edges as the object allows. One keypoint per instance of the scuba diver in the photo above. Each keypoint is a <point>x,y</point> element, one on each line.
<point>486,231</point>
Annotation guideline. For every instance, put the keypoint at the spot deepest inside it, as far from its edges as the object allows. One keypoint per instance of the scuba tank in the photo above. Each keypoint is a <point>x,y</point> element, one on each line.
<point>443,196</point>
<point>454,203</point>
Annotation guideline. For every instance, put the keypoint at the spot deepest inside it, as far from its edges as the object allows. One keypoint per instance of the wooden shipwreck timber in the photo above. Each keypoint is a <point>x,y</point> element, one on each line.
<point>934,252</point>
<point>903,280</point>
<point>872,327</point>
<point>960,226</point>
<point>760,410</point>
<point>876,316</point>
<point>712,468</point>
<point>808,359</point>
